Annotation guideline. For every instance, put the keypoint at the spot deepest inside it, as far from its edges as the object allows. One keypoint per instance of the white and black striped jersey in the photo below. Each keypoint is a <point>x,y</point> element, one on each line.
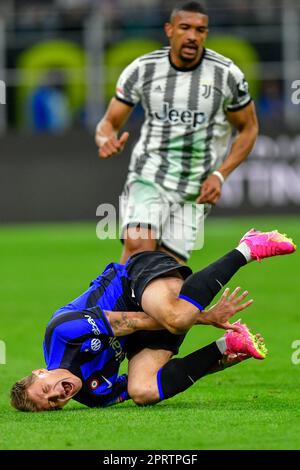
<point>185,134</point>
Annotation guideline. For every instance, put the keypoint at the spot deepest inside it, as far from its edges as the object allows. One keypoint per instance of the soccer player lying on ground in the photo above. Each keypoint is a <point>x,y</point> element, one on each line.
<point>87,339</point>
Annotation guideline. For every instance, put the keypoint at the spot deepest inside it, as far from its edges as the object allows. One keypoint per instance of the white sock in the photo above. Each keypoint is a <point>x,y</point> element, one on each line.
<point>221,344</point>
<point>245,250</point>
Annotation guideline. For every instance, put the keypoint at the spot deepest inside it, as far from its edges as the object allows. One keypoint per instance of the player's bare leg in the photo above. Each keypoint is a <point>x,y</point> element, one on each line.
<point>142,375</point>
<point>136,240</point>
<point>161,301</point>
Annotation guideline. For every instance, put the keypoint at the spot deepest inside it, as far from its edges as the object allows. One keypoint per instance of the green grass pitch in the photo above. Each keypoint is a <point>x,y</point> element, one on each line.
<point>254,405</point>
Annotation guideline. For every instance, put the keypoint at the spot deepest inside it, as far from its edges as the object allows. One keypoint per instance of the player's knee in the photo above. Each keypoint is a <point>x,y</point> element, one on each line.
<point>142,396</point>
<point>144,400</point>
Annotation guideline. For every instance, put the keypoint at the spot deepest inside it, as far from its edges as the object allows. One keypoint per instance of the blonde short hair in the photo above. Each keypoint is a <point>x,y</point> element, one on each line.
<point>19,398</point>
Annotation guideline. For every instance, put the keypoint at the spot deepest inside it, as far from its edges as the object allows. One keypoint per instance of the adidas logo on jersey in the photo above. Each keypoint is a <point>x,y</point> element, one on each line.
<point>158,89</point>
<point>193,118</point>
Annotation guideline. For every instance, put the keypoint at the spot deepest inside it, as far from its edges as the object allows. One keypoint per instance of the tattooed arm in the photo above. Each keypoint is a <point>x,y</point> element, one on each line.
<point>125,323</point>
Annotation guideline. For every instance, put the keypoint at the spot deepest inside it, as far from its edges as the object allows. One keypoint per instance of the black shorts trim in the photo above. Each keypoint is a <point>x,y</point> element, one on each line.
<point>144,267</point>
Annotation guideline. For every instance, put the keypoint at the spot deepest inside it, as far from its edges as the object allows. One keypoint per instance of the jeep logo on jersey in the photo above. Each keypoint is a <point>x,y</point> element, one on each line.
<point>188,117</point>
<point>95,344</point>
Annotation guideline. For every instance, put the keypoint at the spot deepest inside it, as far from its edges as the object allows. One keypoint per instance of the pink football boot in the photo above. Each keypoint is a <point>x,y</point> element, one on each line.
<point>266,244</point>
<point>244,342</point>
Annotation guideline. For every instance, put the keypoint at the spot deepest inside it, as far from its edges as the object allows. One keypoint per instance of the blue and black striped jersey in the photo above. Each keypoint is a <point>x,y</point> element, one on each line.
<point>79,338</point>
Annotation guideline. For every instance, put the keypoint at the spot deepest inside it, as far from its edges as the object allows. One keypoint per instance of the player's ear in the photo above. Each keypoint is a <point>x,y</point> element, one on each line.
<point>39,372</point>
<point>168,29</point>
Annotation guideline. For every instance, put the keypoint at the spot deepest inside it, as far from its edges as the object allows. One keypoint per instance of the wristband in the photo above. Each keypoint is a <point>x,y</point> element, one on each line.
<point>219,175</point>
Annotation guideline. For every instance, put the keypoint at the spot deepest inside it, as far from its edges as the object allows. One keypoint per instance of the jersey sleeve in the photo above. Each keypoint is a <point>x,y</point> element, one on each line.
<point>237,90</point>
<point>91,322</point>
<point>74,333</point>
<point>128,85</point>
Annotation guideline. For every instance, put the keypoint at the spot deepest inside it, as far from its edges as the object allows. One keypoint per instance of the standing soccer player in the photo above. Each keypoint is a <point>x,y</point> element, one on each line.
<point>192,98</point>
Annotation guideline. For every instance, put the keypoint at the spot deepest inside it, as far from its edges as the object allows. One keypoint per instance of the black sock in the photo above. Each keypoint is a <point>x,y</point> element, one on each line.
<point>201,287</point>
<point>179,374</point>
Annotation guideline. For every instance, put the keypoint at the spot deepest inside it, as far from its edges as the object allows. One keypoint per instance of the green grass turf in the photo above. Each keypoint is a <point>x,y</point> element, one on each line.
<point>254,405</point>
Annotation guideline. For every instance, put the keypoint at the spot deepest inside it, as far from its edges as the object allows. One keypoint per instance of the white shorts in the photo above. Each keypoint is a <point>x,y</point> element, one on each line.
<point>177,225</point>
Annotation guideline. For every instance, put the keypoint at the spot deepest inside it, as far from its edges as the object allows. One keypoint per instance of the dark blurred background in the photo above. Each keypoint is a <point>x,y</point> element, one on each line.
<point>59,62</point>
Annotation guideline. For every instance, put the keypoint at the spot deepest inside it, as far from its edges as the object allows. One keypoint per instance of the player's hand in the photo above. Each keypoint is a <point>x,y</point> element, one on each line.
<point>109,146</point>
<point>228,305</point>
<point>210,190</point>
